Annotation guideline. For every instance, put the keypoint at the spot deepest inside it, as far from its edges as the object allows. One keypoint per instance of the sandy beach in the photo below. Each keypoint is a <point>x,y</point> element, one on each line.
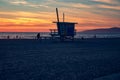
<point>32,59</point>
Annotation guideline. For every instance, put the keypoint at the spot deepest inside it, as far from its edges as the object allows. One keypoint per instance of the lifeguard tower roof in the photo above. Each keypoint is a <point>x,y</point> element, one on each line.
<point>66,22</point>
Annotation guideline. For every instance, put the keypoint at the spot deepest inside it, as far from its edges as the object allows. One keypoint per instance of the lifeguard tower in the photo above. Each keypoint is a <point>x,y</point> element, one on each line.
<point>65,30</point>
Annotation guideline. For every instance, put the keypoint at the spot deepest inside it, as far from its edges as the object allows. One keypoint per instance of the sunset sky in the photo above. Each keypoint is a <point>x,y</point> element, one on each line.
<point>38,15</point>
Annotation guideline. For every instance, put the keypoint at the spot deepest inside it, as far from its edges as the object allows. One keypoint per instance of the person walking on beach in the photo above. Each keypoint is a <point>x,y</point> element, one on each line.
<point>38,36</point>
<point>94,36</point>
<point>8,37</point>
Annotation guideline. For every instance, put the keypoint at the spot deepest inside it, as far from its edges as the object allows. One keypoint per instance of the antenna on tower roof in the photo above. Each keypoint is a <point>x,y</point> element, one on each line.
<point>63,17</point>
<point>57,14</point>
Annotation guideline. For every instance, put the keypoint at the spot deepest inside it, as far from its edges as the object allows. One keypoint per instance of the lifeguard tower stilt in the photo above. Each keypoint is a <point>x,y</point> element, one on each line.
<point>65,30</point>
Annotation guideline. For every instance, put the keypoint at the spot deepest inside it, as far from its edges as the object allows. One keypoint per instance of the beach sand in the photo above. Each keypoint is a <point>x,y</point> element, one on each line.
<point>32,59</point>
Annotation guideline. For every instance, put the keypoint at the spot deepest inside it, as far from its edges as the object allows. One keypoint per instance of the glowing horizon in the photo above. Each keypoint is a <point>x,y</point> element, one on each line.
<point>37,16</point>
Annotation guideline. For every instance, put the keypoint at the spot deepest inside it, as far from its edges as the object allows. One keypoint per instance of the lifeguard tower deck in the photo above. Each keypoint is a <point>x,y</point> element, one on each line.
<point>65,30</point>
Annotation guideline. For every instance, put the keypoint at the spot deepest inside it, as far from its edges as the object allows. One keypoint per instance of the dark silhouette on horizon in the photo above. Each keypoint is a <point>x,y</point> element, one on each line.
<point>38,36</point>
<point>103,30</point>
<point>8,37</point>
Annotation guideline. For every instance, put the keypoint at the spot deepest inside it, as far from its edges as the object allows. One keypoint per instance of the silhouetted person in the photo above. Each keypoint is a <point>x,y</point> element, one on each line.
<point>17,37</point>
<point>94,36</point>
<point>38,36</point>
<point>8,37</point>
<point>82,38</point>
